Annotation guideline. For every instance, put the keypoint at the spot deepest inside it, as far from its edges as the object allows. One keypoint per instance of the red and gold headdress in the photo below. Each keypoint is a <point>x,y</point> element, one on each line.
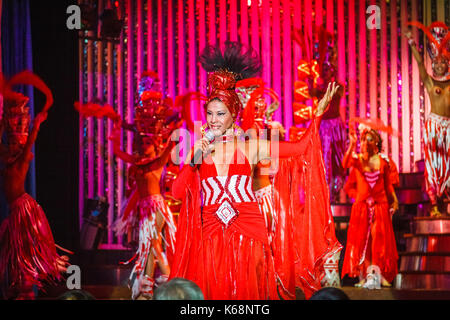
<point>438,45</point>
<point>155,116</point>
<point>225,68</point>
<point>252,91</point>
<point>16,113</point>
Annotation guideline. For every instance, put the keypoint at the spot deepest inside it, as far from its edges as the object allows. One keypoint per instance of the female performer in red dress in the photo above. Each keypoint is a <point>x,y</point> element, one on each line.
<point>370,236</point>
<point>222,240</point>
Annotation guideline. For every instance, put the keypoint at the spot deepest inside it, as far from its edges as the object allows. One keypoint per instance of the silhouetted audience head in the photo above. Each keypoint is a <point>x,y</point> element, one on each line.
<point>76,295</point>
<point>329,293</point>
<point>178,289</point>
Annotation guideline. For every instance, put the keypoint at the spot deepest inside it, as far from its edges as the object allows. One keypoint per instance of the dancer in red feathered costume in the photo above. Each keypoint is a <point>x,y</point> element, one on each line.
<point>222,241</point>
<point>28,254</point>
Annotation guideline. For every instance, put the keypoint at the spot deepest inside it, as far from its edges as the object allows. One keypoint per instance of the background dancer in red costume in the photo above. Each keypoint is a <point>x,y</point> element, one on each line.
<point>155,121</point>
<point>222,241</point>
<point>257,123</point>
<point>370,236</point>
<point>28,254</point>
<point>437,126</point>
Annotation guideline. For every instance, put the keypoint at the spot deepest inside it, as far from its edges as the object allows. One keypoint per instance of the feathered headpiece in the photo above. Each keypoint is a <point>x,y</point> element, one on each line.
<point>16,112</point>
<point>154,114</point>
<point>251,91</point>
<point>372,126</point>
<point>438,46</point>
<point>225,67</point>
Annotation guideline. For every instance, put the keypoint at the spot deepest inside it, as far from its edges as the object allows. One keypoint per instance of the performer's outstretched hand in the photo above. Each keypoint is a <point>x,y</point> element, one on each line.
<point>325,101</point>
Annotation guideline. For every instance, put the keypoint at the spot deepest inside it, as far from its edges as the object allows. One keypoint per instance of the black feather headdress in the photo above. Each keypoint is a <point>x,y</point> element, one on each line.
<point>235,57</point>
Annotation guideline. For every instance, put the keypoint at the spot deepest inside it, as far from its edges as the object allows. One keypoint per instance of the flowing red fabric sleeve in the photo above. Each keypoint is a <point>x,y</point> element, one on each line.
<point>305,235</point>
<point>188,256</point>
<point>350,184</point>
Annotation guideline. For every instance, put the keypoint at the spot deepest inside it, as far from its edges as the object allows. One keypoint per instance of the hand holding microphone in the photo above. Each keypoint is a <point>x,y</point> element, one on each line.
<point>202,146</point>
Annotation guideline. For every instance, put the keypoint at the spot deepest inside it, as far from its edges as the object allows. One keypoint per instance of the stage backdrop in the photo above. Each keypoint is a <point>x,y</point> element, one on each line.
<point>376,66</point>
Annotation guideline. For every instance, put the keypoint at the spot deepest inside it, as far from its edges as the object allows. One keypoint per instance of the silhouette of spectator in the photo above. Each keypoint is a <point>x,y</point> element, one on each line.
<point>329,293</point>
<point>178,289</point>
<point>76,295</point>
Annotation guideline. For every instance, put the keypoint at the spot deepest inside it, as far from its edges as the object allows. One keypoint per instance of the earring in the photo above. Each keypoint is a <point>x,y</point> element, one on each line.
<point>237,130</point>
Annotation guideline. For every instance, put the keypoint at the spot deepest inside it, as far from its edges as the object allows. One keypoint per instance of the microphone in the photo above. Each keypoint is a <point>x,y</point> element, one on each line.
<point>209,135</point>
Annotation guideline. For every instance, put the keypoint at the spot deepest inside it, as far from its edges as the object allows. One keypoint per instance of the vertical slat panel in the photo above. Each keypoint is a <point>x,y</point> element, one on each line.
<point>233,21</point>
<point>394,83</point>
<point>81,163</point>
<point>276,54</point>
<point>352,75</point>
<point>427,21</point>
<point>405,91</point>
<point>110,154</point>
<point>288,68</point>
<point>318,13</point>
<point>120,109</point>
<point>383,74</point>
<point>297,23</point>
<point>212,22</point>
<point>171,76</point>
<point>244,23</point>
<point>362,59</point>
<point>330,15</point>
<point>161,44</point>
<point>255,26</point>
<point>416,105</point>
<point>201,46</point>
<point>223,21</point>
<point>150,41</point>
<point>192,66</point>
<point>341,48</point>
<point>130,73</point>
<point>265,42</point>
<point>181,49</point>
<point>139,40</point>
<point>373,72</point>
<point>100,134</point>
<point>440,8</point>
<point>90,121</point>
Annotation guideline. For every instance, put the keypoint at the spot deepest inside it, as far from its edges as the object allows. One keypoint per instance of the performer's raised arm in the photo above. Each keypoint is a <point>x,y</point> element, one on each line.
<point>424,76</point>
<point>291,149</point>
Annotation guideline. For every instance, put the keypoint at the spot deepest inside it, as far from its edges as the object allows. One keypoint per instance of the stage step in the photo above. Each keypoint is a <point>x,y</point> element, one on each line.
<point>428,243</point>
<point>430,225</point>
<point>395,294</point>
<point>423,280</point>
<point>427,262</point>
